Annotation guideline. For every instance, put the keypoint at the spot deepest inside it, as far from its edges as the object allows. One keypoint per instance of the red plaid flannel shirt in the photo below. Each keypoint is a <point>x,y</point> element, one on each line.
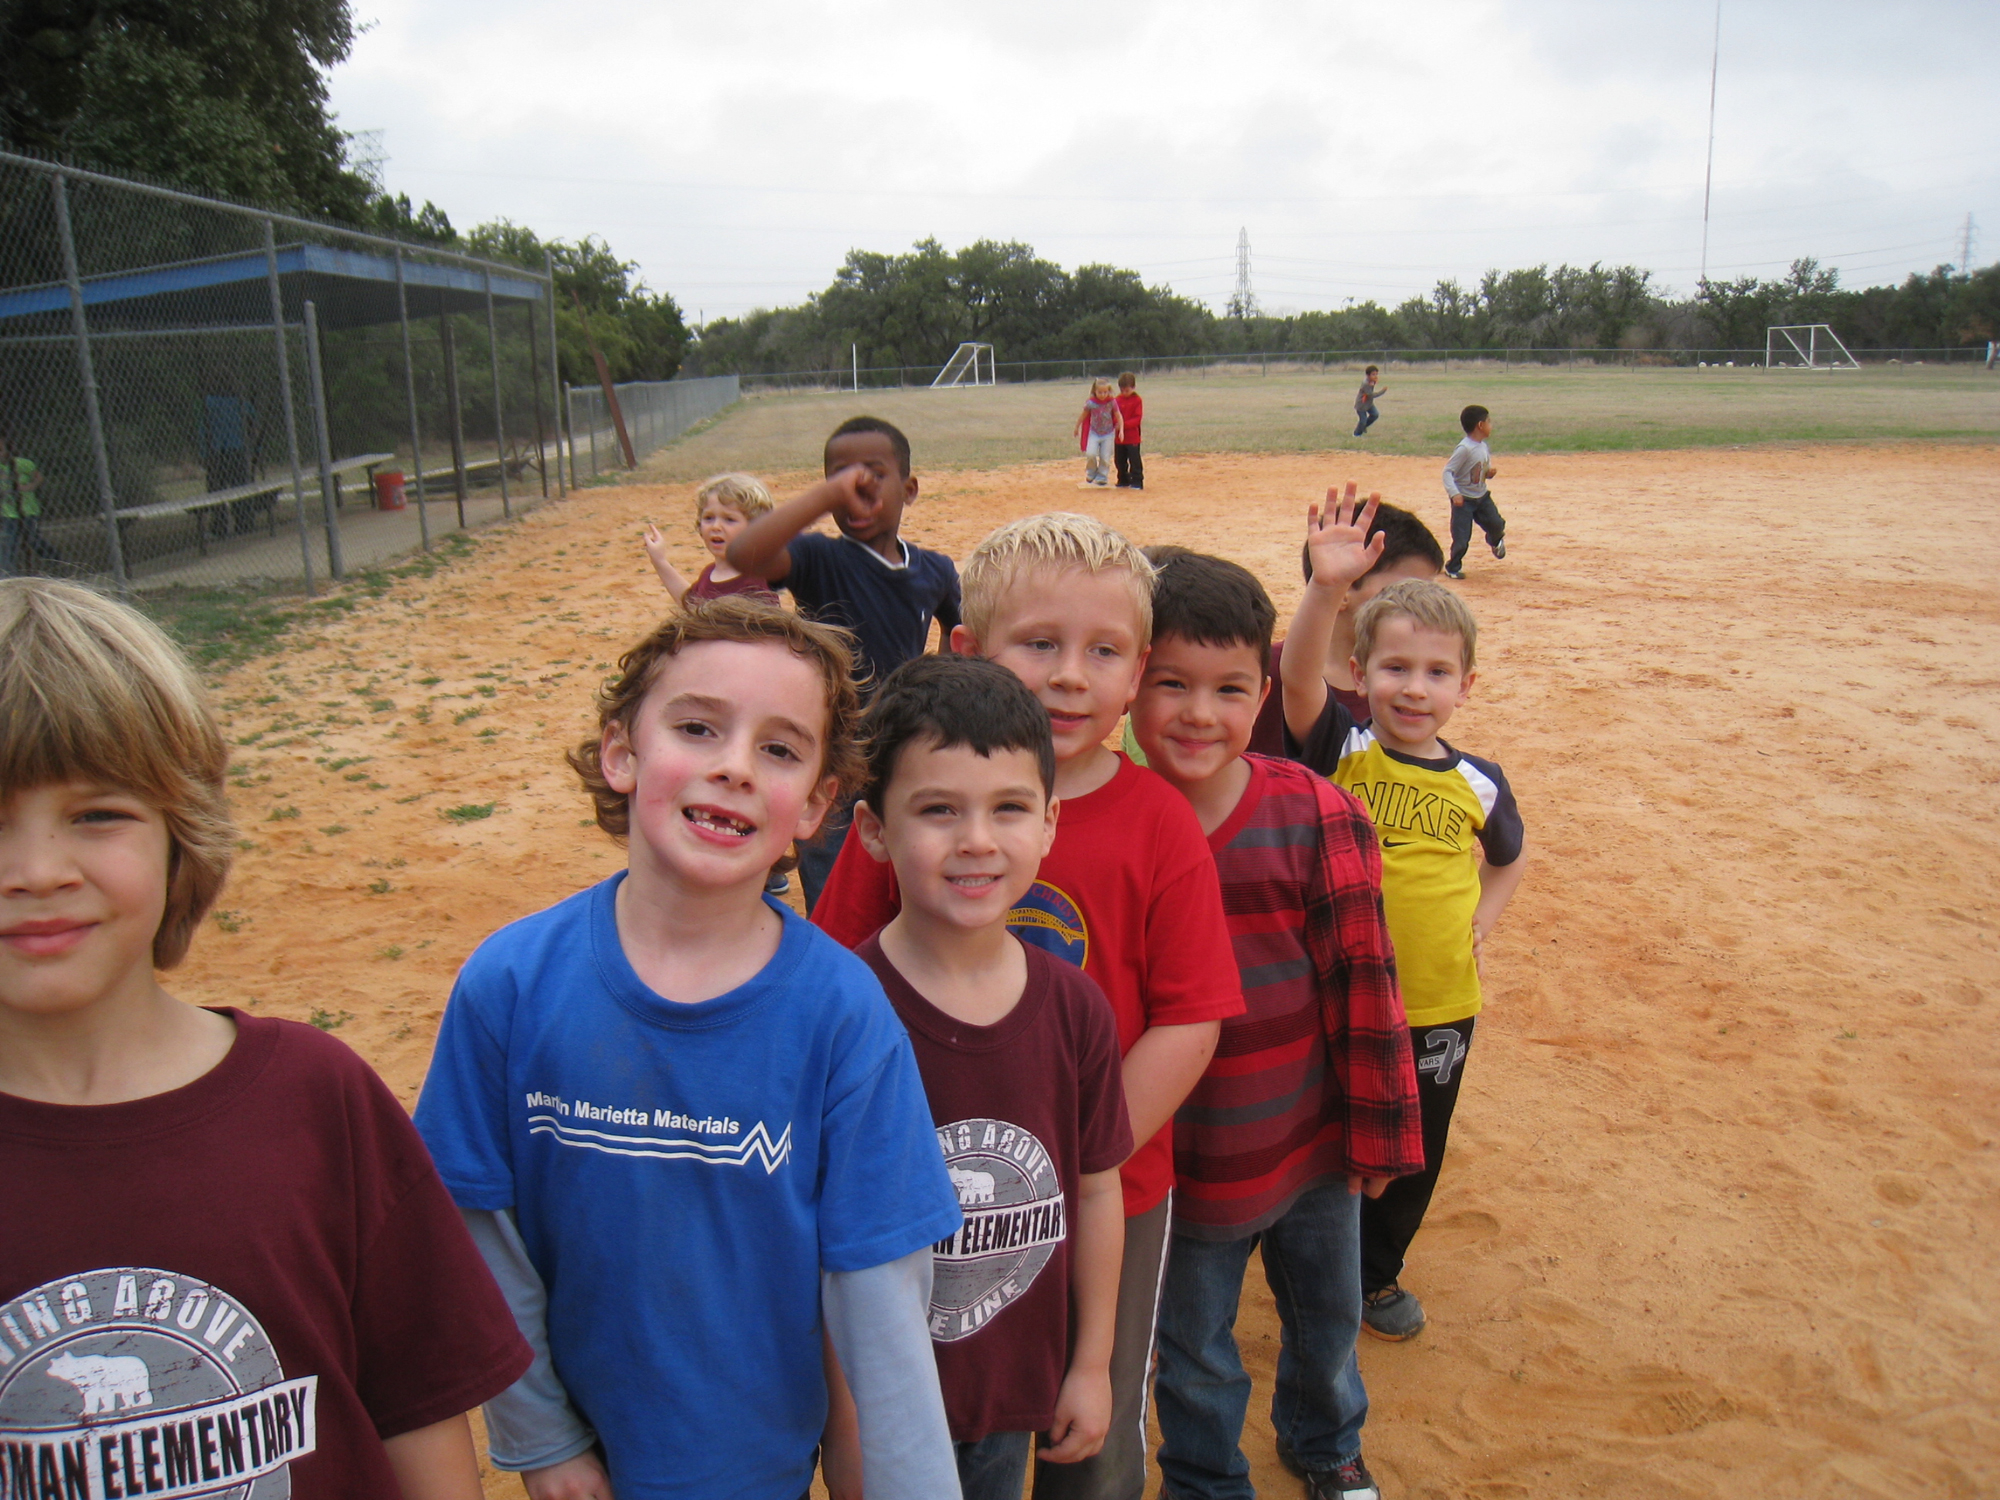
<point>1324,1029</point>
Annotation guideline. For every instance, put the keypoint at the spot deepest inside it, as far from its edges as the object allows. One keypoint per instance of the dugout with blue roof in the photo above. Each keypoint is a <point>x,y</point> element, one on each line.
<point>353,289</point>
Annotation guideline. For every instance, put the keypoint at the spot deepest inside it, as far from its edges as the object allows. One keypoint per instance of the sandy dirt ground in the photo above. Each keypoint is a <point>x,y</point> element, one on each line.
<point>1722,1203</point>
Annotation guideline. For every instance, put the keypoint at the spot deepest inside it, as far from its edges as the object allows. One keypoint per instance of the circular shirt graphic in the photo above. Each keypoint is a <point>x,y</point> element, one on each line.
<point>1048,918</point>
<point>137,1381</point>
<point>1014,1219</point>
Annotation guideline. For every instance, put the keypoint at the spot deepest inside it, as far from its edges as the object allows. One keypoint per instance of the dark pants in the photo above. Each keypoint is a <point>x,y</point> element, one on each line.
<point>1118,1472</point>
<point>1390,1222</point>
<point>1131,468</point>
<point>995,1467</point>
<point>19,536</point>
<point>1366,418</point>
<point>1468,510</point>
<point>816,858</point>
<point>1318,1404</point>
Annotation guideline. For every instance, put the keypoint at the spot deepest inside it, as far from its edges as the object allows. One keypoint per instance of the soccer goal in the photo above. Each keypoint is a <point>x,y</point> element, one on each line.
<point>1806,346</point>
<point>972,364</point>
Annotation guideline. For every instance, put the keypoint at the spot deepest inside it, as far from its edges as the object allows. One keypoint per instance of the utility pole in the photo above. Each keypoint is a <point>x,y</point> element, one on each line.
<point>1708,177</point>
<point>1243,301</point>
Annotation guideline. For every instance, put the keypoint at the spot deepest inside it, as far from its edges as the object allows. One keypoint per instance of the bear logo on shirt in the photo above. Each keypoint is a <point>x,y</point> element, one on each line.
<point>1015,1217</point>
<point>130,1380</point>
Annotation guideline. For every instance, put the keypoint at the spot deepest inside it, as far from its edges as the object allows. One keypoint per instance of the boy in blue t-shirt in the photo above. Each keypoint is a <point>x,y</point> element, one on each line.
<point>685,1127</point>
<point>867,579</point>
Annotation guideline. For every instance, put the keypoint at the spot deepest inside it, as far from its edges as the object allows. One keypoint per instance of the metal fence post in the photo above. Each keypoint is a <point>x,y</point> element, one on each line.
<point>499,419</point>
<point>285,381</point>
<point>457,428</point>
<point>555,372</point>
<point>86,373</point>
<point>322,434</point>
<point>410,395</point>
<point>535,390</point>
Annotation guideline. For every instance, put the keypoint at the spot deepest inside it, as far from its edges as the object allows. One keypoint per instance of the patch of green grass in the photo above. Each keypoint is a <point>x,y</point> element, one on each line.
<point>382,705</point>
<point>392,952</point>
<point>283,815</point>
<point>334,828</point>
<point>380,887</point>
<point>230,921</point>
<point>329,1020</point>
<point>469,812</point>
<point>470,713</point>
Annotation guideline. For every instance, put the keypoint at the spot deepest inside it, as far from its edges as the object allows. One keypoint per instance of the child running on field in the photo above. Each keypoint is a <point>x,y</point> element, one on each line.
<point>1099,429</point>
<point>1131,414</point>
<point>1019,1055</point>
<point>1365,414</point>
<point>1413,652</point>
<point>1128,893</point>
<point>1310,1101</point>
<point>867,580</point>
<point>1465,476</point>
<point>685,1127</point>
<point>723,506</point>
<point>230,1263</point>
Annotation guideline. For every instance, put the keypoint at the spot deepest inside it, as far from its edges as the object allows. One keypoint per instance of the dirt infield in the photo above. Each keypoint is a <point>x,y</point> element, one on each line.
<point>1723,1196</point>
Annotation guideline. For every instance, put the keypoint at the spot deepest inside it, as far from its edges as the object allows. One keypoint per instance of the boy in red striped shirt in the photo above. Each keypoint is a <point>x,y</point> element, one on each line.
<point>1311,1099</point>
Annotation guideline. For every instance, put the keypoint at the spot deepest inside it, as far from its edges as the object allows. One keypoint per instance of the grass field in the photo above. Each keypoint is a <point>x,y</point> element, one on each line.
<point>1540,411</point>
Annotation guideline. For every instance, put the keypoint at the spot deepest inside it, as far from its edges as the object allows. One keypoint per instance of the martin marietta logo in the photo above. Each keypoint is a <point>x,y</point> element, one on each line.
<point>136,1381</point>
<point>1014,1219</point>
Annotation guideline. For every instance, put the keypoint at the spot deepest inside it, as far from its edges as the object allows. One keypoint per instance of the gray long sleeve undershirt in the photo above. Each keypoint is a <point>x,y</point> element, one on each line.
<point>877,1319</point>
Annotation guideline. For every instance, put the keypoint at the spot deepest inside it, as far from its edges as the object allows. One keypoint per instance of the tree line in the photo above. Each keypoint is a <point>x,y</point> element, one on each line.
<point>915,308</point>
<point>228,98</point>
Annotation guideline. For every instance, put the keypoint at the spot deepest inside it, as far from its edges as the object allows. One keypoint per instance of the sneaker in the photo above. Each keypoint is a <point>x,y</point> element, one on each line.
<point>1500,548</point>
<point>1455,573</point>
<point>1392,1313</point>
<point>1348,1481</point>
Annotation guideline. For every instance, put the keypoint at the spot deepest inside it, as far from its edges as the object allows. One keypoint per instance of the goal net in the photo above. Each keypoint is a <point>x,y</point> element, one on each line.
<point>971,364</point>
<point>1806,346</point>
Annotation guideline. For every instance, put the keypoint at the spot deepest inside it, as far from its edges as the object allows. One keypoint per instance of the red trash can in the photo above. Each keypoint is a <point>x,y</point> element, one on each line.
<point>389,491</point>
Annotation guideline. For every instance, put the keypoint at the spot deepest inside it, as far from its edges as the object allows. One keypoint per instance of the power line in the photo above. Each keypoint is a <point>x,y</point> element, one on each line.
<point>1708,177</point>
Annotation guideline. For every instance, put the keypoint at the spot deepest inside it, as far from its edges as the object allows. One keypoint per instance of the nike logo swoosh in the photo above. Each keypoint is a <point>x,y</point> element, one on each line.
<point>1397,843</point>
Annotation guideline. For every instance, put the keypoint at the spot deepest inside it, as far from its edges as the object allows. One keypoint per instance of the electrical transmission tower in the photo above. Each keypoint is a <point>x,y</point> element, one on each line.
<point>1243,301</point>
<point>367,156</point>
<point>1965,243</point>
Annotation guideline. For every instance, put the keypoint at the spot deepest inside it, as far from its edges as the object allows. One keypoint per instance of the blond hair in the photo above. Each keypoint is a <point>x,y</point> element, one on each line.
<point>1419,599</point>
<point>93,691</point>
<point>743,493</point>
<point>1055,541</point>
<point>734,617</point>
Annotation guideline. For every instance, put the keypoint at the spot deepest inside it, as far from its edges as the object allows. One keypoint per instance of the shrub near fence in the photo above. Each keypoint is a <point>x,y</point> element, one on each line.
<point>1011,372</point>
<point>208,391</point>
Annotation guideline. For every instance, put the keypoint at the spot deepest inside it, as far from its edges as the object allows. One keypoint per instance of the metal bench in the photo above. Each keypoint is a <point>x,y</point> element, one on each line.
<point>209,504</point>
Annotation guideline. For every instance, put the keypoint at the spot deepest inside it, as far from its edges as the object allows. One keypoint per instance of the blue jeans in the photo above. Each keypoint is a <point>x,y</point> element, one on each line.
<point>995,1467</point>
<point>1366,418</point>
<point>19,535</point>
<point>816,856</point>
<point>1312,1259</point>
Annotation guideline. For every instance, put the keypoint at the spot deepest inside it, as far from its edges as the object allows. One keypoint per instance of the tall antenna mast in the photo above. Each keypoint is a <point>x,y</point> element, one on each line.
<point>1965,246</point>
<point>1708,177</point>
<point>1243,302</point>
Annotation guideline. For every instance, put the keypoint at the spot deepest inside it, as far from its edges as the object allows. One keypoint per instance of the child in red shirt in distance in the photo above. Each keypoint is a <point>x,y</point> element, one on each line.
<point>1128,892</point>
<point>1311,1099</point>
<point>723,506</point>
<point>1125,452</point>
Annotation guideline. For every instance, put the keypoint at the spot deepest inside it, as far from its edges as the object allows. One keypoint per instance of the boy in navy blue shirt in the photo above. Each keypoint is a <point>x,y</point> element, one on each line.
<point>867,579</point>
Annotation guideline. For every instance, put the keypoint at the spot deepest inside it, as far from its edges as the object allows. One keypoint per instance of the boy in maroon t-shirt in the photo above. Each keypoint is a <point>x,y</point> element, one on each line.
<point>1019,1056</point>
<point>240,1271</point>
<point>1311,1099</point>
<point>1128,894</point>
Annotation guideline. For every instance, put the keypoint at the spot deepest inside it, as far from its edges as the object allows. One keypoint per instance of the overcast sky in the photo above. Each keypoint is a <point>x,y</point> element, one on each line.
<point>737,151</point>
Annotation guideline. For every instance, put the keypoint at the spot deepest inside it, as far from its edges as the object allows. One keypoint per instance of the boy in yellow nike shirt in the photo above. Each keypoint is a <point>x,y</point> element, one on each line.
<point>1413,656</point>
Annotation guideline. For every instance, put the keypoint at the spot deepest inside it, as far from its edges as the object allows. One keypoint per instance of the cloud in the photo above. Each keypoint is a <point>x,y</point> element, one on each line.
<point>736,153</point>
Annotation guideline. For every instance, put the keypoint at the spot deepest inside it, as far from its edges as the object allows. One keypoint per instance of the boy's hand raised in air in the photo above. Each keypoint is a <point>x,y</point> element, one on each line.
<point>1338,539</point>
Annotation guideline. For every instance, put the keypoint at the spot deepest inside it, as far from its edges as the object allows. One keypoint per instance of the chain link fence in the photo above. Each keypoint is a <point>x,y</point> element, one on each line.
<point>1324,361</point>
<point>199,397</point>
<point>655,412</point>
